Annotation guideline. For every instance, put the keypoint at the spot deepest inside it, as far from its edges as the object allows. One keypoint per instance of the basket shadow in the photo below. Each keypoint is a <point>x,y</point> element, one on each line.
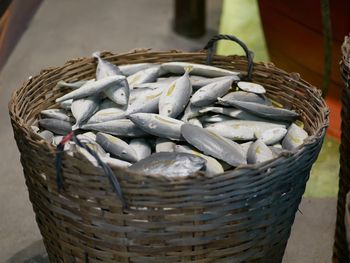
<point>34,253</point>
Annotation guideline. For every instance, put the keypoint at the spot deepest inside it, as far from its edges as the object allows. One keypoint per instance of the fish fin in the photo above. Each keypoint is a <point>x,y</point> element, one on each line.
<point>276,104</point>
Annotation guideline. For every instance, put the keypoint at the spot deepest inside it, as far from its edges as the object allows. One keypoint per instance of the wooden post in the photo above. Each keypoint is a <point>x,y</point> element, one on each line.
<point>14,20</point>
<point>189,18</point>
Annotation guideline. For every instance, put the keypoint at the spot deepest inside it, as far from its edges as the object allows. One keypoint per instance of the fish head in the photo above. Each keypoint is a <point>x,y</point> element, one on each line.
<point>140,118</point>
<point>122,98</point>
<point>166,110</point>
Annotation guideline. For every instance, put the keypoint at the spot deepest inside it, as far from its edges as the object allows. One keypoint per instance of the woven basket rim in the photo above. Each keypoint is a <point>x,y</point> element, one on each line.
<point>51,149</point>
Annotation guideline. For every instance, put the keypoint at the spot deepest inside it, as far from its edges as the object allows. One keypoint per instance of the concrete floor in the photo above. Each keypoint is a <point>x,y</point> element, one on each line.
<point>66,29</point>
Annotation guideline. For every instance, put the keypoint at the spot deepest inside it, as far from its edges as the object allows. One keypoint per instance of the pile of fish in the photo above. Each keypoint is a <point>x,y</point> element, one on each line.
<point>174,118</point>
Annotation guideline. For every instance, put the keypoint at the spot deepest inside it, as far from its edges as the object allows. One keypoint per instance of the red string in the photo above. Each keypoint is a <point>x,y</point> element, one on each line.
<point>67,138</point>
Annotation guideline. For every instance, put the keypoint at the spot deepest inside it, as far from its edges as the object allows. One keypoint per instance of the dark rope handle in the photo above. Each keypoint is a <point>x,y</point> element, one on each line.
<point>106,169</point>
<point>249,54</point>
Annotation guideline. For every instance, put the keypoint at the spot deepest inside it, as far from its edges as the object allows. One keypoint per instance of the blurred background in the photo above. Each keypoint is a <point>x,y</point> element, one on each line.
<point>297,36</point>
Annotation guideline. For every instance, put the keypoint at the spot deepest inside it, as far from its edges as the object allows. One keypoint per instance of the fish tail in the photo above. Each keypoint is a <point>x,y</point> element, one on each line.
<point>61,84</point>
<point>75,127</point>
<point>188,69</point>
<point>97,54</point>
<point>58,100</point>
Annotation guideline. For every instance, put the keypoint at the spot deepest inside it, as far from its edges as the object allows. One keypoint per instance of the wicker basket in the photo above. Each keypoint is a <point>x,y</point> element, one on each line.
<point>340,251</point>
<point>241,215</point>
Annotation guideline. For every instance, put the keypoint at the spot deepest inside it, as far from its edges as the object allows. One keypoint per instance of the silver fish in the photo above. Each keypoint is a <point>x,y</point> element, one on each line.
<point>122,127</point>
<point>86,138</point>
<point>251,87</point>
<point>243,96</point>
<point>198,69</point>
<point>97,149</point>
<point>56,126</point>
<point>90,135</point>
<point>138,93</point>
<point>271,136</point>
<point>198,81</point>
<point>264,111</point>
<point>57,114</point>
<point>151,85</point>
<point>238,114</point>
<point>169,164</point>
<point>209,93</point>
<point>69,148</point>
<point>66,104</point>
<point>56,140</point>
<point>215,118</point>
<point>105,68</point>
<point>258,152</point>
<point>147,103</point>
<point>72,85</point>
<point>175,98</point>
<point>158,125</point>
<point>119,93</point>
<point>108,114</point>
<point>241,130</point>
<point>212,166</point>
<point>225,165</point>
<point>232,112</point>
<point>191,112</point>
<point>164,145</point>
<point>141,147</point>
<point>107,103</point>
<point>277,145</point>
<point>195,122</point>
<point>275,150</point>
<point>92,88</point>
<point>83,109</point>
<point>86,154</point>
<point>213,144</point>
<point>167,79</point>
<point>245,146</point>
<point>143,76</point>
<point>295,137</point>
<point>115,162</point>
<point>130,69</point>
<point>116,147</point>
<point>159,84</point>
<point>35,128</point>
<point>46,135</point>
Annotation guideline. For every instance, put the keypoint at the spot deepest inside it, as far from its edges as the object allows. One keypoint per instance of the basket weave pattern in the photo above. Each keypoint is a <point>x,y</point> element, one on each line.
<point>341,253</point>
<point>243,215</point>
